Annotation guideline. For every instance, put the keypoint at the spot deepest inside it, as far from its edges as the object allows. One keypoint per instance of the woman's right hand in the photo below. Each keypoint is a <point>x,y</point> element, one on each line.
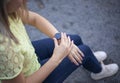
<point>63,49</point>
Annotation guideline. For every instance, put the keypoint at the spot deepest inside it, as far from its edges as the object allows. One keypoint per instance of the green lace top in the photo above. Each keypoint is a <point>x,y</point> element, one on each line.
<point>20,57</point>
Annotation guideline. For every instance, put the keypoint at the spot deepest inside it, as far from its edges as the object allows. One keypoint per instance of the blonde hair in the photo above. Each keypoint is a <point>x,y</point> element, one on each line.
<point>4,22</point>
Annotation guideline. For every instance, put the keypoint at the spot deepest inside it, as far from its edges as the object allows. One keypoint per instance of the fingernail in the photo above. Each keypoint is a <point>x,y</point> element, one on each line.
<point>83,55</point>
<point>72,41</point>
<point>77,64</point>
<point>82,59</point>
<point>80,62</point>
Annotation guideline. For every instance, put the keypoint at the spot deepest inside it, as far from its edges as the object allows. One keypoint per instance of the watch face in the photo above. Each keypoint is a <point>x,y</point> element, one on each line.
<point>58,35</point>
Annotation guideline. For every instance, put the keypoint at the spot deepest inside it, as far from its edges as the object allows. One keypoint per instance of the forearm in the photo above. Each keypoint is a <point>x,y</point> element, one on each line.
<point>43,72</point>
<point>37,77</point>
<point>43,25</point>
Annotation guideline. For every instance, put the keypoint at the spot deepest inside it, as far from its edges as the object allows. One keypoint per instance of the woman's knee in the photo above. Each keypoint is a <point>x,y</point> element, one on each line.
<point>76,38</point>
<point>86,51</point>
<point>89,60</point>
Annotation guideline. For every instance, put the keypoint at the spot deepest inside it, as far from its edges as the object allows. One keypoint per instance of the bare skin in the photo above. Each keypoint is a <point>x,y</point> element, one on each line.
<point>64,49</point>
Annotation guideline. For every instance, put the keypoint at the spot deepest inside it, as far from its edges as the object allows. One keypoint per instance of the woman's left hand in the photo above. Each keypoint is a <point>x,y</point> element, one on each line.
<point>76,55</point>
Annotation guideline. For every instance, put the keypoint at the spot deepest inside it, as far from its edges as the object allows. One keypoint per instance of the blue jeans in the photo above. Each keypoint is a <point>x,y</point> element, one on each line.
<point>44,50</point>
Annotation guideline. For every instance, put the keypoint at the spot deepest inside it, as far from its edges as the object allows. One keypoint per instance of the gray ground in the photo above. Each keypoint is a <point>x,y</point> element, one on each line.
<point>96,21</point>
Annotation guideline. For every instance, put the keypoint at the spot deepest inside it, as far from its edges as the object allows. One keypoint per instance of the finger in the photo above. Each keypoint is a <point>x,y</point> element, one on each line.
<point>62,37</point>
<point>74,61</point>
<point>69,41</point>
<point>71,45</point>
<point>65,38</point>
<point>77,57</point>
<point>69,56</point>
<point>80,55</point>
<point>80,52</point>
<point>55,42</point>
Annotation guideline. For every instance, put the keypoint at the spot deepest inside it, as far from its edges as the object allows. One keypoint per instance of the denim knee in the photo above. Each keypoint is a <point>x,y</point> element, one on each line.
<point>86,50</point>
<point>76,38</point>
<point>89,60</point>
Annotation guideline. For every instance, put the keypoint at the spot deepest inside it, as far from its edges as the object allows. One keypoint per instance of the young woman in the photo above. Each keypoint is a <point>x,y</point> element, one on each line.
<point>49,60</point>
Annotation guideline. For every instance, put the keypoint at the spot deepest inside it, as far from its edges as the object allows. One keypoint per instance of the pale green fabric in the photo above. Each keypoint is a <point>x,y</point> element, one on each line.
<point>19,58</point>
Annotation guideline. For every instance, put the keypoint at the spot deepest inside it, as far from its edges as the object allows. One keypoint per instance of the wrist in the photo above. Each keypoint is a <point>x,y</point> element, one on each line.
<point>58,36</point>
<point>55,60</point>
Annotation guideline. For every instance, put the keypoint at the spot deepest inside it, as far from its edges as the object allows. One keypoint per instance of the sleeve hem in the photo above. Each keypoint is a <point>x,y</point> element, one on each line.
<point>8,78</point>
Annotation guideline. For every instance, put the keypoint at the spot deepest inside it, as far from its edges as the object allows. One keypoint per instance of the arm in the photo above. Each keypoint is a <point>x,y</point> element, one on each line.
<point>38,77</point>
<point>47,28</point>
<point>60,52</point>
<point>40,23</point>
<point>43,72</point>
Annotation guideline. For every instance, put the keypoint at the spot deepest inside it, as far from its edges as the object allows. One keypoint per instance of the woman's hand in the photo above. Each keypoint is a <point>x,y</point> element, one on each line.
<point>76,55</point>
<point>63,49</point>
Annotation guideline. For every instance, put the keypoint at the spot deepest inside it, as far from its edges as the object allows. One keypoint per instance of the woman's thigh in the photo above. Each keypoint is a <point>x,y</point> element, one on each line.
<point>44,48</point>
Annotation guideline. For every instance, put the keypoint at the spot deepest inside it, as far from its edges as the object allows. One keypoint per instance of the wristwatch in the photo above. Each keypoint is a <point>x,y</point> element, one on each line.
<point>58,36</point>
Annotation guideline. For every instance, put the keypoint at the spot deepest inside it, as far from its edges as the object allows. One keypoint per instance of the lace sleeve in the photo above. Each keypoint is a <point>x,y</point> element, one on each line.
<point>11,63</point>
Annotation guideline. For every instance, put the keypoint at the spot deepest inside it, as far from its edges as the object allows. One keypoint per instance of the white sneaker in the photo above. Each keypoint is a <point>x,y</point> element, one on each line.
<point>107,70</point>
<point>100,55</point>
